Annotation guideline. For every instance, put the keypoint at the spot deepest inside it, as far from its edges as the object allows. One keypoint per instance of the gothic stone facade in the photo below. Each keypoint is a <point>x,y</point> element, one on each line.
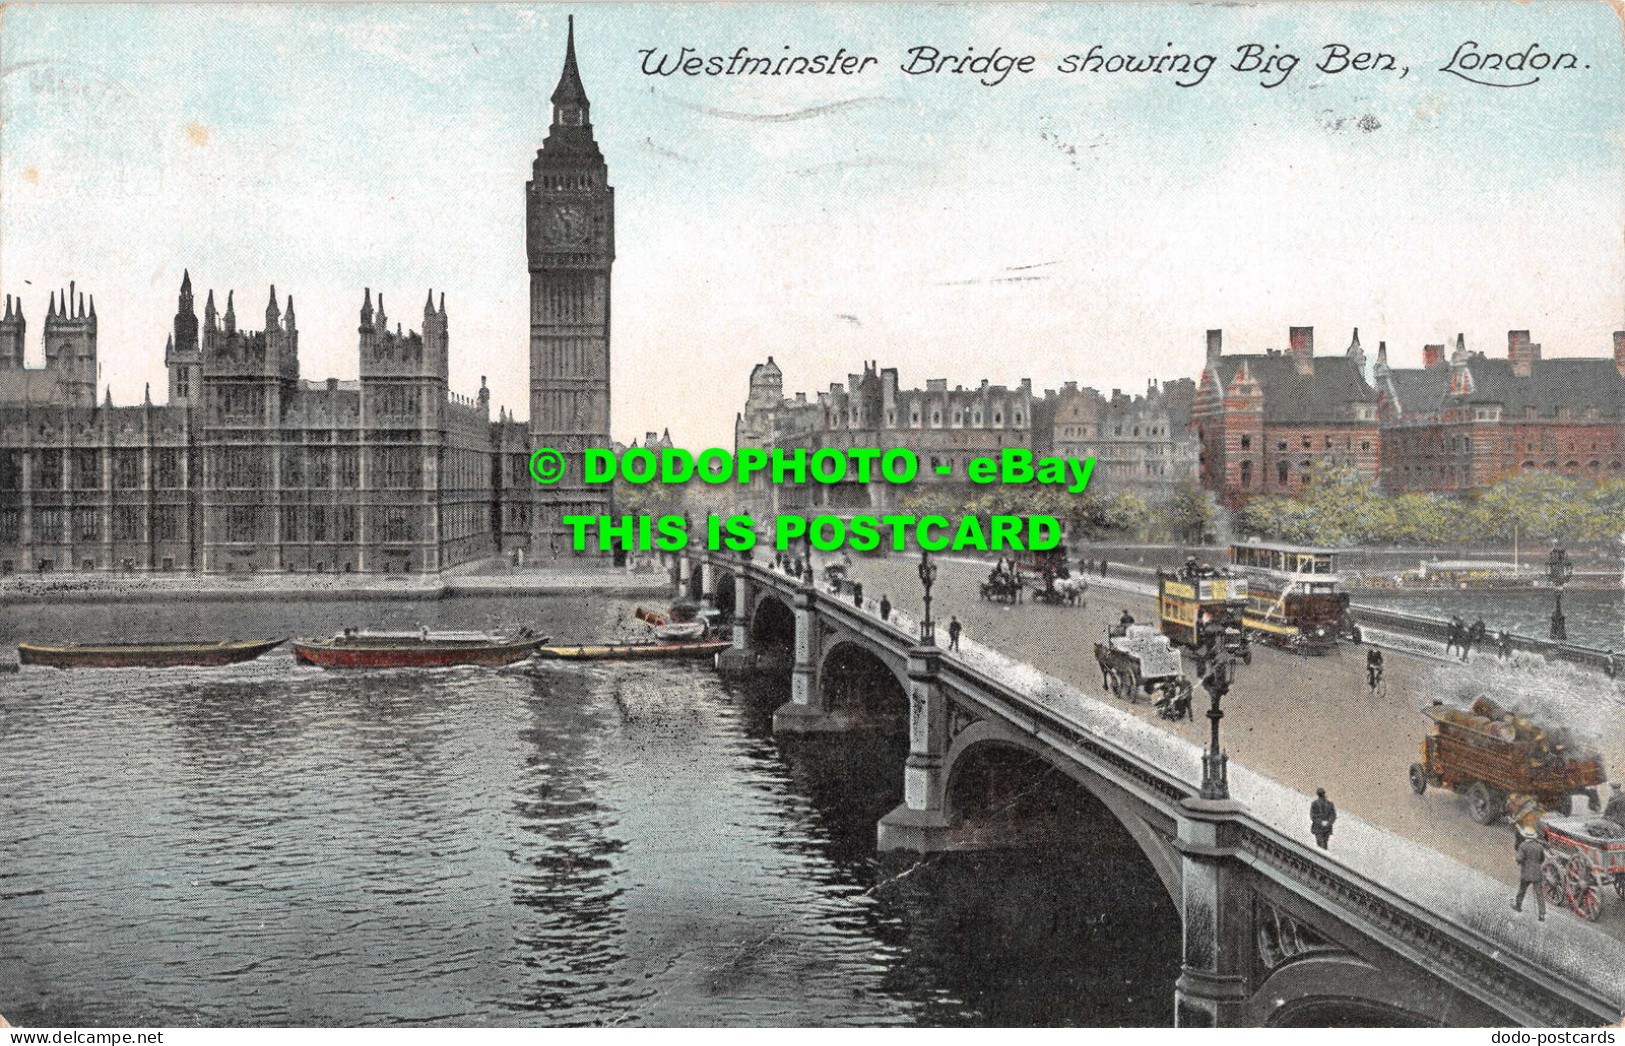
<point>1266,421</point>
<point>248,467</point>
<point>251,468</point>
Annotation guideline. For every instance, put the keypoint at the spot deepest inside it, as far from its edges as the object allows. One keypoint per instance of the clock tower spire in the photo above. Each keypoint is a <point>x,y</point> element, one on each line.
<point>570,245</point>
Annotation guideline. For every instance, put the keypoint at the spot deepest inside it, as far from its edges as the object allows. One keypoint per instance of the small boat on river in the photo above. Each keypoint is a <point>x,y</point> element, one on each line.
<point>145,655</point>
<point>420,649</point>
<point>631,651</point>
<point>684,623</point>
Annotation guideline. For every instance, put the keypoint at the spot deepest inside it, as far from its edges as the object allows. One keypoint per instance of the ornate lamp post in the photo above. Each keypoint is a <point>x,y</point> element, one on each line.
<point>1215,769</point>
<point>1560,569</point>
<point>928,577</point>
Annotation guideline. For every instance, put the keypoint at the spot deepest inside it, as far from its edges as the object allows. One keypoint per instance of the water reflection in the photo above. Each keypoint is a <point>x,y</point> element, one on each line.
<point>620,844</point>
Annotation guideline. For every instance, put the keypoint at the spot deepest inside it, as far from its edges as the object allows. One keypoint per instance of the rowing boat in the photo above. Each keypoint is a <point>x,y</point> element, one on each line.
<point>631,651</point>
<point>145,655</point>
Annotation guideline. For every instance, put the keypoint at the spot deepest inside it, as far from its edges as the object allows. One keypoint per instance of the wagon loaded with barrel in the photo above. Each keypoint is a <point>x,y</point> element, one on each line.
<point>1138,658</point>
<point>1503,763</point>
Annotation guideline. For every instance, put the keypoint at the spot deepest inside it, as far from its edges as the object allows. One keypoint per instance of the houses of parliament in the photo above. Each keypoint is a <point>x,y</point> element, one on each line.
<point>249,467</point>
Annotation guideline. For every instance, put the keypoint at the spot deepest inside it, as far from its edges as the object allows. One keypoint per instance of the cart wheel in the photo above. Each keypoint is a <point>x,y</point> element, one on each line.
<point>1419,778</point>
<point>1588,903</point>
<point>1481,804</point>
<point>1580,886</point>
<point>1551,881</point>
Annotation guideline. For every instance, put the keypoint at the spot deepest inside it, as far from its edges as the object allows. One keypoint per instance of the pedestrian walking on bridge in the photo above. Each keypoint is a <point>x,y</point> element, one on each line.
<point>1322,815</point>
<point>885,608</point>
<point>954,628</point>
<point>1531,855</point>
<point>1102,568</point>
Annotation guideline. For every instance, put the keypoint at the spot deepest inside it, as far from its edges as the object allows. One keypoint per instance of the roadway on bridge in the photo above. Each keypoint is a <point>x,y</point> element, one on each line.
<point>1308,722</point>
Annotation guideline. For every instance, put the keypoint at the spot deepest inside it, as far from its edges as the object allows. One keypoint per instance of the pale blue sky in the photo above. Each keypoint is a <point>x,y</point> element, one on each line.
<point>327,148</point>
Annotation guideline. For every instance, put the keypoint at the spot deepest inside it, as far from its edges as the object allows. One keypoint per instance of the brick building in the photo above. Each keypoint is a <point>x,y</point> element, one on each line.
<point>1459,425</point>
<point>1266,421</point>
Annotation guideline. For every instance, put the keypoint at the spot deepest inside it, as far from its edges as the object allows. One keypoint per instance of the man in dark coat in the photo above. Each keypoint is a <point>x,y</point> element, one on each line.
<point>953,633</point>
<point>1322,815</point>
<point>857,594</point>
<point>1530,856</point>
<point>885,608</point>
<point>1373,667</point>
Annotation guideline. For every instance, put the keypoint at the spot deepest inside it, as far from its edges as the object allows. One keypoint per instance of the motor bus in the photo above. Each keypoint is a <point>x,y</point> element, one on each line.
<point>1294,595</point>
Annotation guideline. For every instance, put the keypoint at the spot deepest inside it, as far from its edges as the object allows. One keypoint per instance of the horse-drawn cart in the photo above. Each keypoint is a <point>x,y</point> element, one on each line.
<point>1138,658</point>
<point>1583,855</point>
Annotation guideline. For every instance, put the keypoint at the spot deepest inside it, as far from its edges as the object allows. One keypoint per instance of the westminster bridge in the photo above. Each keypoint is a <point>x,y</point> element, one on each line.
<point>1381,929</point>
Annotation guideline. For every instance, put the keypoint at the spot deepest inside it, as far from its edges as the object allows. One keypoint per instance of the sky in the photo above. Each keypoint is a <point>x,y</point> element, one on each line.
<point>1080,227</point>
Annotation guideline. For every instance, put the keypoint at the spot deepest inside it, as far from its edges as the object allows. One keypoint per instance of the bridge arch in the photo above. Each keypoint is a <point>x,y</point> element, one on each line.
<point>968,756</point>
<point>722,580</point>
<point>772,622</point>
<point>1296,996</point>
<point>856,678</point>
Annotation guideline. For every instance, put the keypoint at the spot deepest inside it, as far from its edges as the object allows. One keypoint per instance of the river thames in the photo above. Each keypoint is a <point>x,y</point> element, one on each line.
<point>268,844</point>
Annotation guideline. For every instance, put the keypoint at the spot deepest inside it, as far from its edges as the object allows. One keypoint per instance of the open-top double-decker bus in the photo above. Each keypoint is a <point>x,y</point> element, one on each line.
<point>1293,595</point>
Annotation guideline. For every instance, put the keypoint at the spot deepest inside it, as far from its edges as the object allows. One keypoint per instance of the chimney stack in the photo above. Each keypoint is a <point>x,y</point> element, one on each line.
<point>1215,344</point>
<point>1521,353</point>
<point>1619,352</point>
<point>1302,342</point>
<point>1432,356</point>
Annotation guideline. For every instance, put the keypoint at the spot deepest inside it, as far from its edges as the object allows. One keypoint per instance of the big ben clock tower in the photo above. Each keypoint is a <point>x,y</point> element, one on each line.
<point>570,242</point>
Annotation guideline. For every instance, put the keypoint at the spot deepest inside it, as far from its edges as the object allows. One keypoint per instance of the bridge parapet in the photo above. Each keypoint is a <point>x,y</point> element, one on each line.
<point>1273,926</point>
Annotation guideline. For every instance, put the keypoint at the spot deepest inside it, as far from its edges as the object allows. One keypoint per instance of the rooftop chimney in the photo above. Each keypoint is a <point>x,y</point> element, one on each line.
<point>1432,356</point>
<point>1619,352</point>
<point>1521,353</point>
<point>1215,344</point>
<point>1302,342</point>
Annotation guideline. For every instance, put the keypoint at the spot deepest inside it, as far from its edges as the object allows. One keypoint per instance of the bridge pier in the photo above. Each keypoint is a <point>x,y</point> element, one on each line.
<point>1215,986</point>
<point>708,585</point>
<point>920,821</point>
<point>740,659</point>
<point>808,710</point>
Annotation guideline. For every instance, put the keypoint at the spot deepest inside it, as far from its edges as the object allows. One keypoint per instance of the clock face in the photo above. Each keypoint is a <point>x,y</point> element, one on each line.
<point>565,225</point>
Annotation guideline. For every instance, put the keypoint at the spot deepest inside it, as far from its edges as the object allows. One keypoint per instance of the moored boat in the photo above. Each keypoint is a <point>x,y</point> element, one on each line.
<point>684,623</point>
<point>145,655</point>
<point>421,649</point>
<point>631,651</point>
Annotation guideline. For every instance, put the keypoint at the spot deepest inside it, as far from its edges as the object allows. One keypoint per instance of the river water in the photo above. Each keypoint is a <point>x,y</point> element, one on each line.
<point>1595,617</point>
<point>267,844</point>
